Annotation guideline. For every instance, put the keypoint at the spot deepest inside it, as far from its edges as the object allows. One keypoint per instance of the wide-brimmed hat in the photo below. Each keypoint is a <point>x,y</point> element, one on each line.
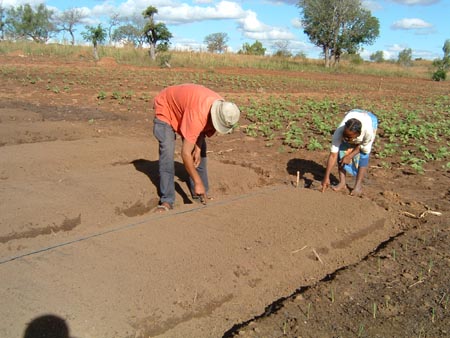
<point>224,116</point>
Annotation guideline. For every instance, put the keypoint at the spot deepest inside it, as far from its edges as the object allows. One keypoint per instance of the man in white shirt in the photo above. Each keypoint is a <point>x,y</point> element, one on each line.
<point>351,146</point>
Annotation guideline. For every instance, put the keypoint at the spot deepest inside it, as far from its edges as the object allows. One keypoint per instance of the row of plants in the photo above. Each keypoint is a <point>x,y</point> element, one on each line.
<point>163,78</point>
<point>417,135</point>
<point>417,132</point>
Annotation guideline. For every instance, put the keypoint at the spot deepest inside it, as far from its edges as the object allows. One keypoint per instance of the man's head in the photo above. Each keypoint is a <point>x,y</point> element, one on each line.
<point>224,116</point>
<point>352,130</point>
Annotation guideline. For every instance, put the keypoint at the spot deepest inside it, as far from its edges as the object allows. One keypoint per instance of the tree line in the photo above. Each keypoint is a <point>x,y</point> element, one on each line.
<point>338,27</point>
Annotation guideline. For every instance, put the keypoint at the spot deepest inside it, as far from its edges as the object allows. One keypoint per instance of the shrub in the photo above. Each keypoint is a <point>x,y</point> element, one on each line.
<point>439,75</point>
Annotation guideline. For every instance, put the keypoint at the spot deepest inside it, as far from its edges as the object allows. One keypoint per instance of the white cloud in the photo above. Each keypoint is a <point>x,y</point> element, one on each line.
<point>183,13</point>
<point>390,53</point>
<point>372,5</point>
<point>274,35</point>
<point>252,28</point>
<point>202,1</point>
<point>416,2</point>
<point>15,3</point>
<point>297,23</point>
<point>411,23</point>
<point>279,2</point>
<point>250,23</point>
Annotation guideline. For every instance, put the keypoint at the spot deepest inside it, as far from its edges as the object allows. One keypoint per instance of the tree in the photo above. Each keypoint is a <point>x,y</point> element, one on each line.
<point>300,55</point>
<point>442,65</point>
<point>405,57</point>
<point>155,33</point>
<point>128,35</point>
<point>254,49</point>
<point>96,35</point>
<point>24,22</point>
<point>446,49</point>
<point>338,26</point>
<point>2,21</point>
<point>216,42</point>
<point>131,33</point>
<point>114,21</point>
<point>282,48</point>
<point>67,21</point>
<point>378,56</point>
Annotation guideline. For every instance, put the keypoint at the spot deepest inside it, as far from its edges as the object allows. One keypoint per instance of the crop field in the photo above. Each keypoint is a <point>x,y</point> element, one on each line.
<point>76,140</point>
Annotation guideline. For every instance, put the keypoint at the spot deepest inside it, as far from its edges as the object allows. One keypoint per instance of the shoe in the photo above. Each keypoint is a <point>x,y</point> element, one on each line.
<point>163,207</point>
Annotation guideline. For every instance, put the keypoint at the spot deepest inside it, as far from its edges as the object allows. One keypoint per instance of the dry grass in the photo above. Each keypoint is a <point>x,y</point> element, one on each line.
<point>205,60</point>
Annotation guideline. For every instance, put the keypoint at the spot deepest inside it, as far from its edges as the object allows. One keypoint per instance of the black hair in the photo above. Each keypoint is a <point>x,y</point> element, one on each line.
<point>353,125</point>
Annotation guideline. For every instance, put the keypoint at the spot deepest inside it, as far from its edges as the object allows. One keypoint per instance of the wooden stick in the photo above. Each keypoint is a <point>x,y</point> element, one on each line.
<point>295,251</point>
<point>317,255</point>
<point>418,282</point>
<point>436,213</point>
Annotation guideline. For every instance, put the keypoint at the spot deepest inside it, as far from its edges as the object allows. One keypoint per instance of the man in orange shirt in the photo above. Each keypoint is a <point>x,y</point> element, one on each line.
<point>192,111</point>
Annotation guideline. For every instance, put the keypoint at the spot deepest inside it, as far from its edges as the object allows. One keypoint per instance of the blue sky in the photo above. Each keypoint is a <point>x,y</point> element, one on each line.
<point>421,25</point>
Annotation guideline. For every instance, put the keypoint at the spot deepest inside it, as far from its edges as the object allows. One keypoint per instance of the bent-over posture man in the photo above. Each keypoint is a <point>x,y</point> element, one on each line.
<point>351,146</point>
<point>192,111</point>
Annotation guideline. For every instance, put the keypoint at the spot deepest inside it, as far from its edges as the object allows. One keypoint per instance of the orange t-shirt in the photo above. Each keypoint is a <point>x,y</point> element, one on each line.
<point>186,108</point>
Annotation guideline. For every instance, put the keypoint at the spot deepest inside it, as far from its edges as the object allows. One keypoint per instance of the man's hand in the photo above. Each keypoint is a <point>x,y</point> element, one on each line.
<point>325,184</point>
<point>196,156</point>
<point>345,160</point>
<point>187,154</point>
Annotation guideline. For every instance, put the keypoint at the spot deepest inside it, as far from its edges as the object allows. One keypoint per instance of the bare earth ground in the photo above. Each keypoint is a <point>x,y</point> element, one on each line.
<point>82,254</point>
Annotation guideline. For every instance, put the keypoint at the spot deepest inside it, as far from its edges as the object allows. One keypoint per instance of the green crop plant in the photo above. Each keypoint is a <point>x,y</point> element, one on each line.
<point>430,266</point>
<point>332,298</point>
<point>277,124</point>
<point>54,89</point>
<point>284,327</point>
<point>442,153</point>
<point>420,276</point>
<point>308,311</point>
<point>116,95</point>
<point>417,164</point>
<point>388,149</point>
<point>314,144</point>
<point>266,131</point>
<point>101,95</point>
<point>361,330</point>
<point>145,97</point>
<point>387,300</point>
<point>294,136</point>
<point>425,151</point>
<point>251,130</point>
<point>128,95</point>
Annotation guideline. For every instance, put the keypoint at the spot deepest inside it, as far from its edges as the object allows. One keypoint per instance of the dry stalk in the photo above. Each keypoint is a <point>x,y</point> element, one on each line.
<point>298,250</point>
<point>431,212</point>
<point>423,214</point>
<point>317,255</point>
<point>418,282</point>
